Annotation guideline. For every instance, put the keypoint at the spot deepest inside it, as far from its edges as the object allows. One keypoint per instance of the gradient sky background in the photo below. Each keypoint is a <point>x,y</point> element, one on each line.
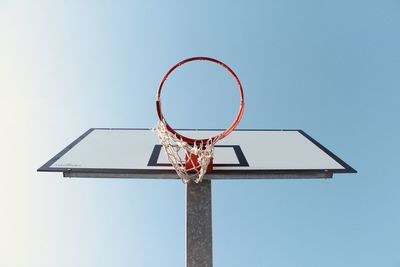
<point>330,68</point>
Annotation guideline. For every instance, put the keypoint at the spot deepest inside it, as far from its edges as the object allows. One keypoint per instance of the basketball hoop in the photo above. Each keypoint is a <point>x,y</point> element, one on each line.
<point>192,158</point>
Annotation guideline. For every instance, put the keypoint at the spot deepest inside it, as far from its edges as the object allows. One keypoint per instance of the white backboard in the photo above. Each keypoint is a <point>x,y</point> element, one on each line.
<point>136,153</point>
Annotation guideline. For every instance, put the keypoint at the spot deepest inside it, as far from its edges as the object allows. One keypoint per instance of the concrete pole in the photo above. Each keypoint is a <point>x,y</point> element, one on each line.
<point>198,224</point>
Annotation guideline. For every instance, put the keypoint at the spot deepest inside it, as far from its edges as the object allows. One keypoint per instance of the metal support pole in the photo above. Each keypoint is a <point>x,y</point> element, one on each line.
<point>198,224</point>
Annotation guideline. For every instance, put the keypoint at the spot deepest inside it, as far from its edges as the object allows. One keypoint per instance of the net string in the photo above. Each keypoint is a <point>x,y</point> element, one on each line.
<point>180,153</point>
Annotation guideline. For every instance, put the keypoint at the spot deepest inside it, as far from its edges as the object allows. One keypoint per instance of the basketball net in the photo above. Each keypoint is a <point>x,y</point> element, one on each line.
<point>190,161</point>
<point>191,158</point>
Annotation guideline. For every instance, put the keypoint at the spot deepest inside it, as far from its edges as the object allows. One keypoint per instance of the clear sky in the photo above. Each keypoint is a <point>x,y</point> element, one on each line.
<point>330,68</point>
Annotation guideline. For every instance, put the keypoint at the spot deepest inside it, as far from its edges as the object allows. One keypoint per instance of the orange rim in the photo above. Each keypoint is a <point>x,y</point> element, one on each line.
<point>216,137</point>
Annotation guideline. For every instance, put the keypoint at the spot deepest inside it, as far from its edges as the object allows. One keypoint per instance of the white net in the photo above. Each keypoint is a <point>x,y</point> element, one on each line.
<point>189,160</point>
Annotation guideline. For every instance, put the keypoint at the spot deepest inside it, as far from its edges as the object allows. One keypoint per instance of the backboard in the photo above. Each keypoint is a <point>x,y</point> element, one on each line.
<point>244,154</point>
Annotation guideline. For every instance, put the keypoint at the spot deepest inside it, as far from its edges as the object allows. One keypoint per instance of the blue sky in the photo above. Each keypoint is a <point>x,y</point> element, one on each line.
<point>327,67</point>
